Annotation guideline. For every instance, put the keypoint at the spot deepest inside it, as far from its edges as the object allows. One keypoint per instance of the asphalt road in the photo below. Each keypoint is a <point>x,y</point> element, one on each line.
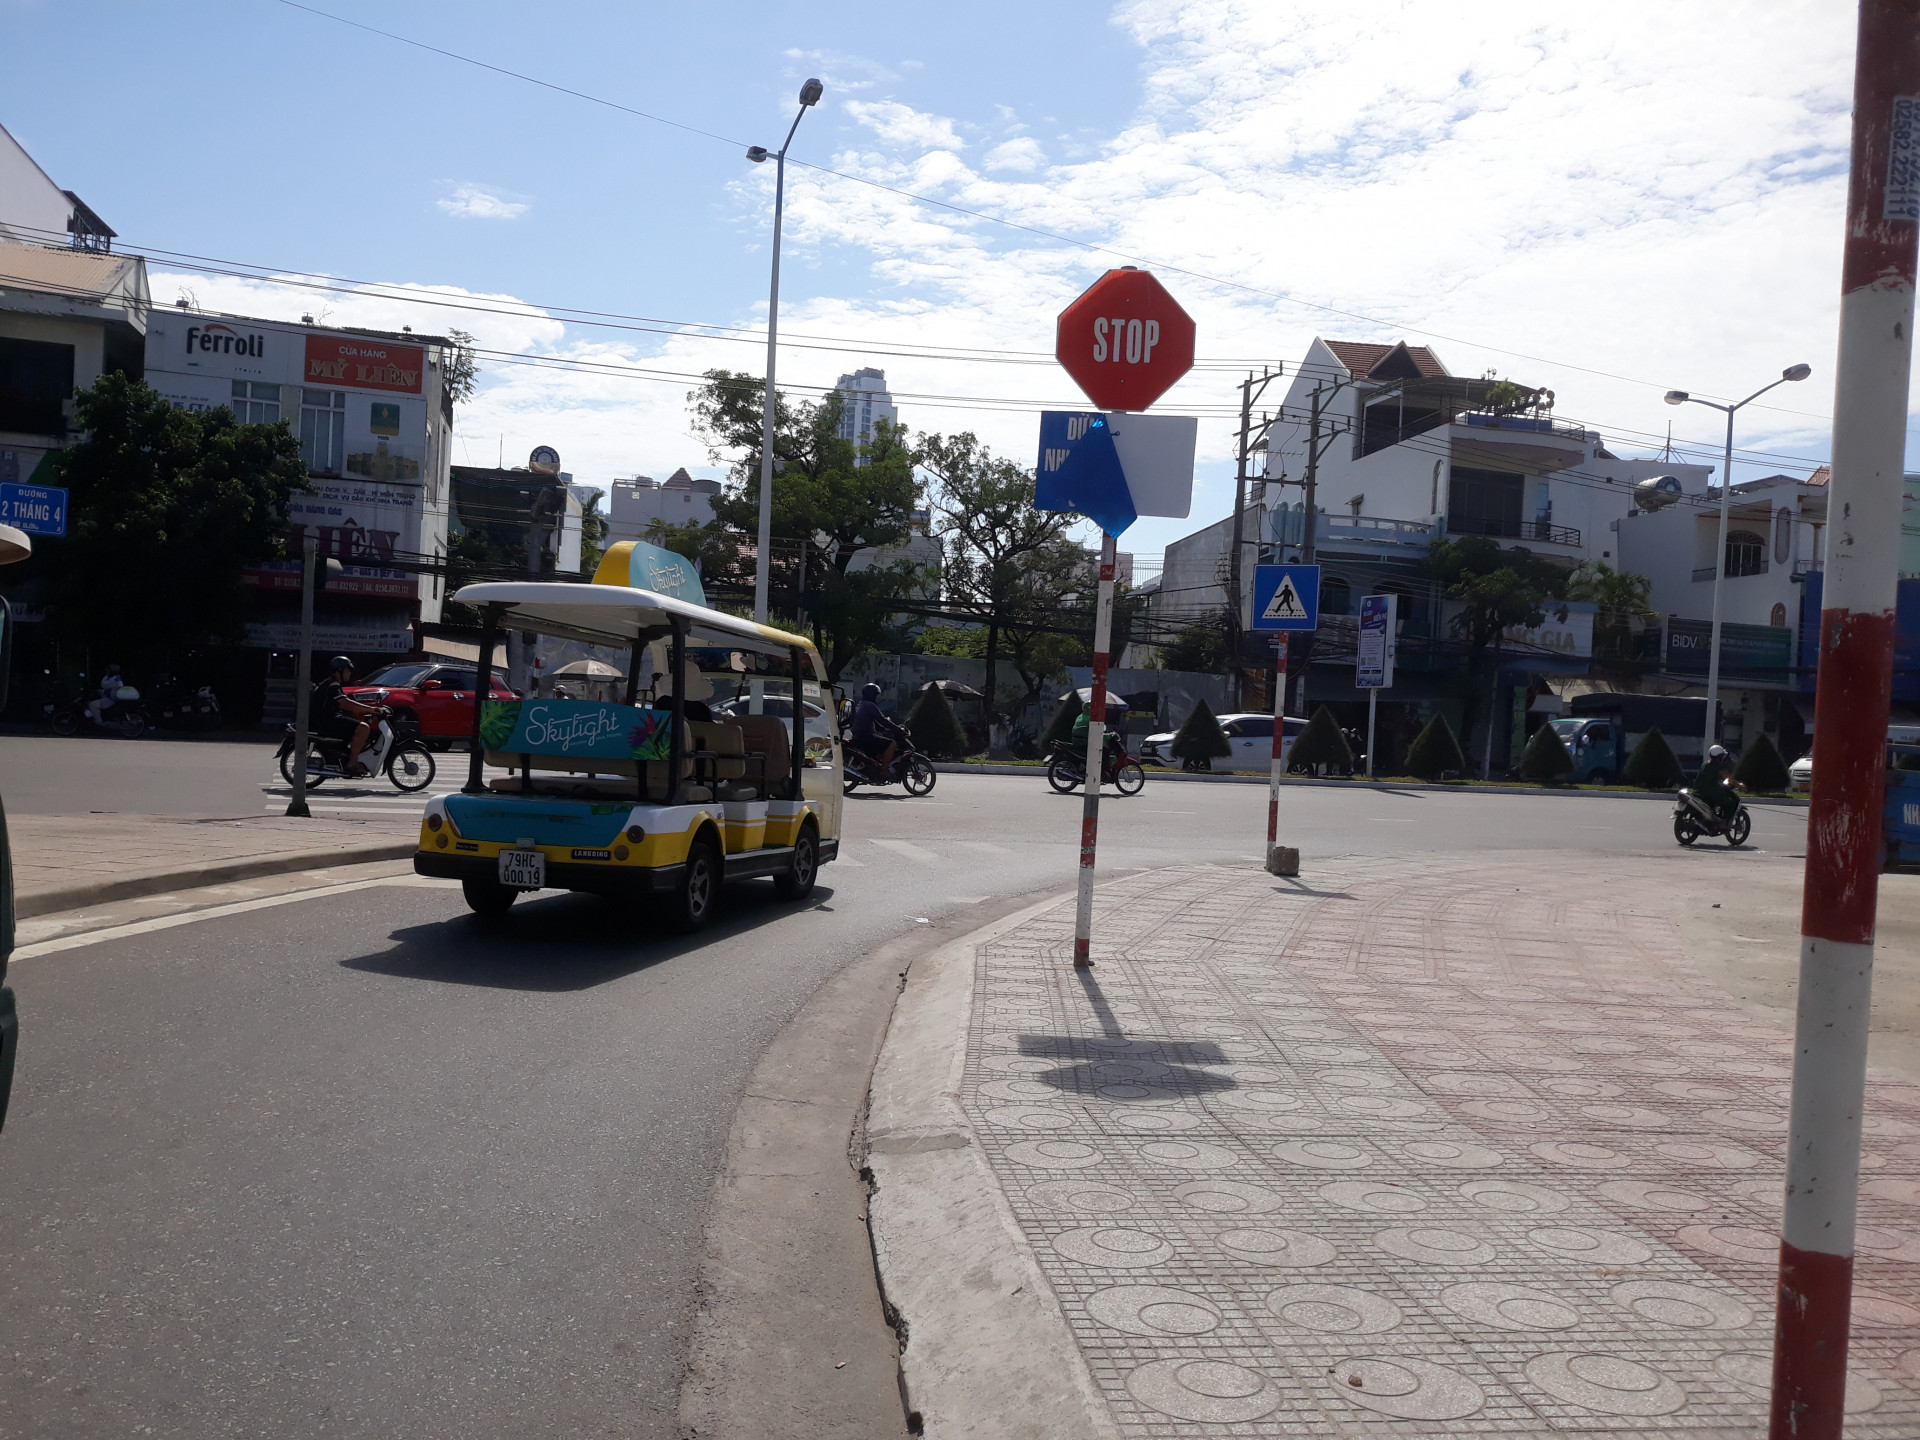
<point>362,1166</point>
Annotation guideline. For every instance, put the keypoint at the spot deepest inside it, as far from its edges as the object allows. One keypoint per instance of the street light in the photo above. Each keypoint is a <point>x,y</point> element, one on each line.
<point>1681,397</point>
<point>809,96</point>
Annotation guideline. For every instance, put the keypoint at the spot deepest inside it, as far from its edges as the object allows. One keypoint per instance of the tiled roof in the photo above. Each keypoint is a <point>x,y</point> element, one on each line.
<point>1821,476</point>
<point>1361,359</point>
<point>79,273</point>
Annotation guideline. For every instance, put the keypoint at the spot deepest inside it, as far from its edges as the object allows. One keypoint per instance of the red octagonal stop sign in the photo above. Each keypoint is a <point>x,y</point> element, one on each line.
<point>1125,340</point>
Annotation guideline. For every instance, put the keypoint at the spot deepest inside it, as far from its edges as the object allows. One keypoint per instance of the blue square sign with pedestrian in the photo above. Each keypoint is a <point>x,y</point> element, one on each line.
<point>1286,597</point>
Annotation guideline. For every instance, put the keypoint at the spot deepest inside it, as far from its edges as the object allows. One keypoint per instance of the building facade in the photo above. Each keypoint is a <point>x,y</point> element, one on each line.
<point>864,394</point>
<point>634,505</point>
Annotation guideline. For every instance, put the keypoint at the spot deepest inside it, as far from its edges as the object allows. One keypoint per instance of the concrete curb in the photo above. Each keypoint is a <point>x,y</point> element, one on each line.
<point>956,767</point>
<point>215,872</point>
<point>986,1349</point>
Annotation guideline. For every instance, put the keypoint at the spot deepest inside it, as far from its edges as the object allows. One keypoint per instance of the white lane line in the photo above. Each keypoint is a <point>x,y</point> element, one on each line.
<point>910,850</point>
<point>985,847</point>
<point>1391,819</point>
<point>214,912</point>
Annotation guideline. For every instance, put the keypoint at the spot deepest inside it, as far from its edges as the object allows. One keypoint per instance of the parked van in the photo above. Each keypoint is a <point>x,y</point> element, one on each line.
<point>1605,727</point>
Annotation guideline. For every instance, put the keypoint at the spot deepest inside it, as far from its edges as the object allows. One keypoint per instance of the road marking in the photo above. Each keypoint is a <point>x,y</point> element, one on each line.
<point>1162,812</point>
<point>1405,820</point>
<point>986,847</point>
<point>910,850</point>
<point>215,912</point>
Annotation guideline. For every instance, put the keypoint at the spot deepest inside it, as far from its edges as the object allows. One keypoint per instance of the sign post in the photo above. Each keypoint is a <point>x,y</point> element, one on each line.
<point>1286,598</point>
<point>1125,342</point>
<point>1373,667</point>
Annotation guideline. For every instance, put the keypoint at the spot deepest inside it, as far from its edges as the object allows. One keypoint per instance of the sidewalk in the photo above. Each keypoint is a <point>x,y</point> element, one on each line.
<point>61,862</point>
<point>1405,1148</point>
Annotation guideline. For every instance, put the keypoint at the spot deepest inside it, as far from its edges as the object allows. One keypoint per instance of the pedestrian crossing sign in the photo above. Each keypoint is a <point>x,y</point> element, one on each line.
<point>1286,597</point>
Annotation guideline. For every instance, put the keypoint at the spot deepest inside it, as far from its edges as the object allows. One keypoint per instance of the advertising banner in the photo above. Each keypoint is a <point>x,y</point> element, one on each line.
<point>378,635</point>
<point>356,364</point>
<point>578,729</point>
<point>359,522</point>
<point>1757,654</point>
<point>1373,663</point>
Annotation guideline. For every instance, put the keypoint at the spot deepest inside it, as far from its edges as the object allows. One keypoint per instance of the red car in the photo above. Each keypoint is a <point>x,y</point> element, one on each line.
<point>436,695</point>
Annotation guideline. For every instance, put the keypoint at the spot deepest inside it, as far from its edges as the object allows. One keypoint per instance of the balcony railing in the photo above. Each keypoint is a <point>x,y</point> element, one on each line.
<point>1520,530</point>
<point>1532,424</point>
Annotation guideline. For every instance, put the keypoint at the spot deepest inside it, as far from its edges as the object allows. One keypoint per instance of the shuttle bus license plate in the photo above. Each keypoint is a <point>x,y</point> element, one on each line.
<point>523,869</point>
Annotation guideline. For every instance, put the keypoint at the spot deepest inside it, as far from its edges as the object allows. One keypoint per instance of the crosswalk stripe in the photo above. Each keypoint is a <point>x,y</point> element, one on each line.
<point>910,850</point>
<point>985,847</point>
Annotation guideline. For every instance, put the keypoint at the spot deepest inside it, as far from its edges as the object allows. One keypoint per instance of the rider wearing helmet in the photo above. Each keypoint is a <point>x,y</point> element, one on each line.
<point>333,712</point>
<point>874,735</point>
<point>1714,783</point>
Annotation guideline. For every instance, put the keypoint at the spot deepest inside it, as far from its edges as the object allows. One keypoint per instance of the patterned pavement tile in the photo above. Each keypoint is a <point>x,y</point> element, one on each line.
<point>1403,1155</point>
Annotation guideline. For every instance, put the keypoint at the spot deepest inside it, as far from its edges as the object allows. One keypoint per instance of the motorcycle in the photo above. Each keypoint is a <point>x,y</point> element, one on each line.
<point>1694,817</point>
<point>1067,767</point>
<point>123,714</point>
<point>177,708</point>
<point>402,757</point>
<point>909,768</point>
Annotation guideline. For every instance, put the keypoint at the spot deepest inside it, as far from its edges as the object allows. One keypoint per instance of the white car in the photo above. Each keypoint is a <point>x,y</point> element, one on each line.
<point>1800,772</point>
<point>1250,734</point>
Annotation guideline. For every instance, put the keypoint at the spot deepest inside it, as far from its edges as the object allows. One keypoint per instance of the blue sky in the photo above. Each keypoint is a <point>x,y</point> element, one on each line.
<point>1608,211</point>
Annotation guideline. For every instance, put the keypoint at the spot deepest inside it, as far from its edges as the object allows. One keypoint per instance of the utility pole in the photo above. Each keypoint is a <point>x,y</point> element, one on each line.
<point>1248,394</point>
<point>1855,682</point>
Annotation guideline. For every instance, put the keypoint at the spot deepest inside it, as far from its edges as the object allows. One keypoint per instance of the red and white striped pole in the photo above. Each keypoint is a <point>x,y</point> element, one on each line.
<point>1280,643</point>
<point>1096,754</point>
<point>1855,677</point>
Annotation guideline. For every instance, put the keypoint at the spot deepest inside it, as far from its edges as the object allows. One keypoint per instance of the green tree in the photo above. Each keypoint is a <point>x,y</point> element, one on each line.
<point>1495,590</point>
<point>935,728</point>
<point>836,498</point>
<point>1321,747</point>
<point>1545,757</point>
<point>1619,598</point>
<point>593,535</point>
<point>1201,741</point>
<point>1436,751</point>
<point>462,371</point>
<point>711,546</point>
<point>962,642</point>
<point>1653,765</point>
<point>166,507</point>
<point>1761,769</point>
<point>992,534</point>
<point>1198,648</point>
<point>1044,609</point>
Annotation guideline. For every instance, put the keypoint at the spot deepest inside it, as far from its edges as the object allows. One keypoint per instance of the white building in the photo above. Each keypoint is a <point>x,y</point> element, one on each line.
<point>36,211</point>
<point>634,505</point>
<point>865,395</point>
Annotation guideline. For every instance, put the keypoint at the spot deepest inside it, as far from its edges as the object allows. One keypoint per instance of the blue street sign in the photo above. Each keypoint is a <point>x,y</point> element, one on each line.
<point>1115,468</point>
<point>1286,597</point>
<point>36,509</point>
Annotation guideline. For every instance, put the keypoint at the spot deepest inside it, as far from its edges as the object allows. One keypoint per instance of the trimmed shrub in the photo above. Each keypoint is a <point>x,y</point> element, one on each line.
<point>935,728</point>
<point>1061,726</point>
<point>1201,741</point>
<point>1653,765</point>
<point>1321,746</point>
<point>1435,750</point>
<point>1545,758</point>
<point>1761,769</point>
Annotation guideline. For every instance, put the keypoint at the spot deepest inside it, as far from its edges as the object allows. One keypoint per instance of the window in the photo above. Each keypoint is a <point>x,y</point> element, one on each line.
<point>254,403</point>
<point>1336,596</point>
<point>1778,617</point>
<point>1484,502</point>
<point>323,430</point>
<point>396,677</point>
<point>1746,554</point>
<point>1243,729</point>
<point>36,380</point>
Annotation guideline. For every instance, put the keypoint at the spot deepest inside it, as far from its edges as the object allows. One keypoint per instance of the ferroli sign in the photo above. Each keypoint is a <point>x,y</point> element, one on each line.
<point>216,337</point>
<point>359,364</point>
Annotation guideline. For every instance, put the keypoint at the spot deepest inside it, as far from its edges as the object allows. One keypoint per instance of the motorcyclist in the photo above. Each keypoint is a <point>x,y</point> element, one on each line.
<point>110,683</point>
<point>874,735</point>
<point>1714,784</point>
<point>1115,722</point>
<point>334,713</point>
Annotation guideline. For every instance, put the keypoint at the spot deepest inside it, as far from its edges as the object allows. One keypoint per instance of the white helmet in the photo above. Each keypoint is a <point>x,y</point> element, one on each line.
<point>1717,752</point>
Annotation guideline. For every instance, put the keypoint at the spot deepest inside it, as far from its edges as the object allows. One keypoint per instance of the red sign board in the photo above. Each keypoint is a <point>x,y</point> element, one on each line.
<point>364,364</point>
<point>1125,341</point>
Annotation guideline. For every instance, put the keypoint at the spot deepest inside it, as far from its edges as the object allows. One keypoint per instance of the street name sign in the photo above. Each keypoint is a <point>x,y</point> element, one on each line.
<point>1286,597</point>
<point>1115,468</point>
<point>1125,341</point>
<point>1373,663</point>
<point>36,509</point>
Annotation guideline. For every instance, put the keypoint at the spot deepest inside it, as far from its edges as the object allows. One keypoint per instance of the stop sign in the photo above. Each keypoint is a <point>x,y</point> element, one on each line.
<point>1125,340</point>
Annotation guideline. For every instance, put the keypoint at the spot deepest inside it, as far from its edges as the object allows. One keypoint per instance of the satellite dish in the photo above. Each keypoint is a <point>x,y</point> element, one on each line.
<point>1656,491</point>
<point>545,460</point>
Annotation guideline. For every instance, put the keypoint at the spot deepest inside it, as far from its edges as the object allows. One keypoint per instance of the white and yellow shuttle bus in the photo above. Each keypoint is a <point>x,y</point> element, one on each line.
<point>653,795</point>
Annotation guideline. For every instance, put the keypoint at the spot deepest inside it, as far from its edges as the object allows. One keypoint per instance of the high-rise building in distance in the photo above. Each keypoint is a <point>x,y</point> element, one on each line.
<point>867,400</point>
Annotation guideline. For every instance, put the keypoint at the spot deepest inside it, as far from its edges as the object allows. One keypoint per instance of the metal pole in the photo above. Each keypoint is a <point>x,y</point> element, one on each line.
<point>761,568</point>
<point>1850,729</point>
<point>1096,753</point>
<point>1719,579</point>
<point>1373,708</point>
<point>1233,554</point>
<point>1279,738</point>
<point>303,678</point>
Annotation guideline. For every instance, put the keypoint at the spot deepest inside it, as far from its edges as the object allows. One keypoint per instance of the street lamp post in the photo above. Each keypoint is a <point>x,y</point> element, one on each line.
<point>809,96</point>
<point>1681,397</point>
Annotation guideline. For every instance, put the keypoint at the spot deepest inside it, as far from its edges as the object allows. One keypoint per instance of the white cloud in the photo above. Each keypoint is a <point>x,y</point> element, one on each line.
<point>904,128</point>
<point>1022,154</point>
<point>472,202</point>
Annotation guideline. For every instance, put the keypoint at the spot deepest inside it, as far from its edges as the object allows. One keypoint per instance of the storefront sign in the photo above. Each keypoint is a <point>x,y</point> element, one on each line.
<point>356,364</point>
<point>1758,654</point>
<point>373,638</point>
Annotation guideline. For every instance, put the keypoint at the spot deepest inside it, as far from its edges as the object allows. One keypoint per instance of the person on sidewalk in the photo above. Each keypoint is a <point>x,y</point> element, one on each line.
<point>1714,783</point>
<point>339,715</point>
